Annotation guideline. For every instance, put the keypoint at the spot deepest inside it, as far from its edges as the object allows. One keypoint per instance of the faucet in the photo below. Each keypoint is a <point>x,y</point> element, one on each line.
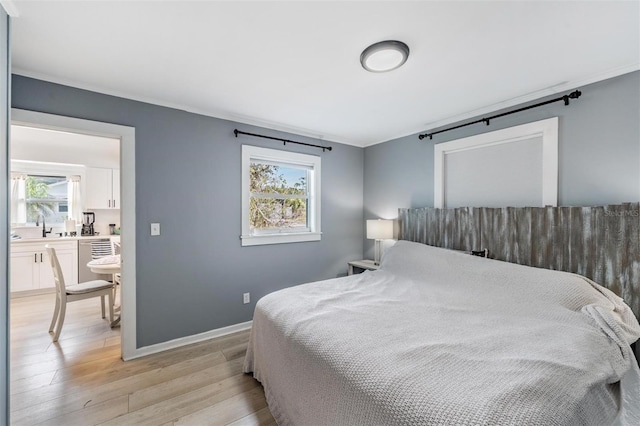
<point>44,228</point>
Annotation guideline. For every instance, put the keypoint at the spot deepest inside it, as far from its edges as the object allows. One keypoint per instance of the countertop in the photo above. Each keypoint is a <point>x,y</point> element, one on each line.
<point>51,239</point>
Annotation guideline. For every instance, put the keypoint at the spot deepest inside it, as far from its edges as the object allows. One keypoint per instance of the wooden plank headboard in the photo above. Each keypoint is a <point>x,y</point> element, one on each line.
<point>601,243</point>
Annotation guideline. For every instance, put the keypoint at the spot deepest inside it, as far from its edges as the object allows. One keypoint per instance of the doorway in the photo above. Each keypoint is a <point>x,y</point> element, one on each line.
<point>126,137</point>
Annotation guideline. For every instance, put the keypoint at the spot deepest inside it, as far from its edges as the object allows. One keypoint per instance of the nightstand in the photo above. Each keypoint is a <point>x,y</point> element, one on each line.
<point>367,265</point>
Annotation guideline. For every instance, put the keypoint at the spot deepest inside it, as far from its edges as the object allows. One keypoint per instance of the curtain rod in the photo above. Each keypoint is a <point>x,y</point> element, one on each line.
<point>573,95</point>
<point>285,141</point>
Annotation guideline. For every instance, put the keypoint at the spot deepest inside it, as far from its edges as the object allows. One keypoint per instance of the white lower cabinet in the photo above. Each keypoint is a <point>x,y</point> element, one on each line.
<point>31,270</point>
<point>25,271</point>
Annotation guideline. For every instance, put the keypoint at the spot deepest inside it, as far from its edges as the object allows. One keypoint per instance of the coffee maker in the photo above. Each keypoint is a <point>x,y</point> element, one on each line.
<point>87,223</point>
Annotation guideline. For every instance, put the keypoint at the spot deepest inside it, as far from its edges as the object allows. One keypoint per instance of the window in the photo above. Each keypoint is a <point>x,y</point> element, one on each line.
<point>52,189</point>
<point>280,196</point>
<point>46,195</point>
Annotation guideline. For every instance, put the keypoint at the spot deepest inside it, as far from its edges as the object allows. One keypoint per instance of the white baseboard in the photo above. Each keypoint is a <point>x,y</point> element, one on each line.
<point>188,340</point>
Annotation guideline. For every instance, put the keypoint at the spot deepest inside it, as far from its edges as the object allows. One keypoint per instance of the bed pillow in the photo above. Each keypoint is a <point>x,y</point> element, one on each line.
<point>419,260</point>
<point>407,256</point>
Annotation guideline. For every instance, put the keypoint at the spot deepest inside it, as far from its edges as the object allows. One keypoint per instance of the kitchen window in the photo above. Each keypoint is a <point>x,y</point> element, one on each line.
<point>52,189</point>
<point>46,195</point>
<point>280,196</point>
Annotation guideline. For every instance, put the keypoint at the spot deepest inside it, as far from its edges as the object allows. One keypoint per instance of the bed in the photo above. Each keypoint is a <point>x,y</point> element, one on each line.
<point>438,337</point>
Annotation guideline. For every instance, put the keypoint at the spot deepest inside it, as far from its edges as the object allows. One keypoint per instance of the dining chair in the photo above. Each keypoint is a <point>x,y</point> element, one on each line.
<point>72,293</point>
<point>117,277</point>
<point>102,248</point>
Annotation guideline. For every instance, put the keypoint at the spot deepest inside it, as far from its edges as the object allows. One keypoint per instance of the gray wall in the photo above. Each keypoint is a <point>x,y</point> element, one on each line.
<point>191,278</point>
<point>4,171</point>
<point>599,152</point>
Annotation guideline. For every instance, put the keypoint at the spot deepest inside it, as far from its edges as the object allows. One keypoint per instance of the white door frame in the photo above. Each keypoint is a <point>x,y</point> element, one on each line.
<point>127,136</point>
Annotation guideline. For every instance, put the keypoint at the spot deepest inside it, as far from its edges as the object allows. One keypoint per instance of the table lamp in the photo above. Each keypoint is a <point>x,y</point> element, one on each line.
<point>379,230</point>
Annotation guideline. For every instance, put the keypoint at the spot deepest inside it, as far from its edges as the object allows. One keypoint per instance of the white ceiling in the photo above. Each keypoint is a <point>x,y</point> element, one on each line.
<point>294,65</point>
<point>53,146</point>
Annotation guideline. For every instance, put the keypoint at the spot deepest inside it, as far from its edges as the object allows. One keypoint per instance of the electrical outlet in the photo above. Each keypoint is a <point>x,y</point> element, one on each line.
<point>246,298</point>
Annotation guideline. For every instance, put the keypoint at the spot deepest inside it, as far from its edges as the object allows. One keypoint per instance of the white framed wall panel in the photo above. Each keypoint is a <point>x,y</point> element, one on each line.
<point>516,167</point>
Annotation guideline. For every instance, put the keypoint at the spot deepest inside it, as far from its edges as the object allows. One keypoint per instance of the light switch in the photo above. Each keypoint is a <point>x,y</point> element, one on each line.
<point>155,229</point>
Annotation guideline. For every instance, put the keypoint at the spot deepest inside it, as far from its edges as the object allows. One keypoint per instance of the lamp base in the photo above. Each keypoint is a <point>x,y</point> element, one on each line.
<point>376,258</point>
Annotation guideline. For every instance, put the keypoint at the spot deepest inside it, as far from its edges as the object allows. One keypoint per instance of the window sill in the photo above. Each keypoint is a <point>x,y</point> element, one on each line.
<point>257,240</point>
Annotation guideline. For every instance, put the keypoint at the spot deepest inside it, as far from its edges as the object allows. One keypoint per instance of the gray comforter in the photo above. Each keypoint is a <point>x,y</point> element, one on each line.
<point>437,337</point>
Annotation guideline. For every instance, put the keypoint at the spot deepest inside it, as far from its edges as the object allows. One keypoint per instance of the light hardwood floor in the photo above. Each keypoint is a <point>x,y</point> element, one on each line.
<point>81,379</point>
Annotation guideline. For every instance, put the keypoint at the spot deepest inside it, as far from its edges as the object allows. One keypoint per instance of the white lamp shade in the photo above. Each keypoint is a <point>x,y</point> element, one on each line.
<point>379,229</point>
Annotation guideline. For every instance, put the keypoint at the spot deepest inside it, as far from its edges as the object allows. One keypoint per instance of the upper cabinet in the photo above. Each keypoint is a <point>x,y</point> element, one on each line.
<point>102,188</point>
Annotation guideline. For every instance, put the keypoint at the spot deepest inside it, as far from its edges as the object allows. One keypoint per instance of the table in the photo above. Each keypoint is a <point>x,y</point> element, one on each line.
<point>367,265</point>
<point>107,265</point>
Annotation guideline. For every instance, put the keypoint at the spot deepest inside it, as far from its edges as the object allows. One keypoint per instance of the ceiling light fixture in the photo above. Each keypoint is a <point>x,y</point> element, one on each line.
<point>384,56</point>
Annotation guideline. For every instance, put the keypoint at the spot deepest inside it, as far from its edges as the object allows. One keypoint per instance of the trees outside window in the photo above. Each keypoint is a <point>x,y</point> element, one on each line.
<point>46,195</point>
<point>280,195</point>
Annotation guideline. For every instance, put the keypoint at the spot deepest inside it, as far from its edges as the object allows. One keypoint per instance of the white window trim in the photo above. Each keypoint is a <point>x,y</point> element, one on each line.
<point>42,168</point>
<point>250,152</point>
<point>547,129</point>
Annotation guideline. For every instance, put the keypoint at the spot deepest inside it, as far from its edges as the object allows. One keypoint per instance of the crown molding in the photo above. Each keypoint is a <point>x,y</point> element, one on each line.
<point>224,115</point>
<point>252,121</point>
<point>552,90</point>
<point>10,7</point>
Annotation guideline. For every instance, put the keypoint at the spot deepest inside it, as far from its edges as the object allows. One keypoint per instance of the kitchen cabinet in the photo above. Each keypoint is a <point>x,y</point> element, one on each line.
<point>31,270</point>
<point>102,188</point>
